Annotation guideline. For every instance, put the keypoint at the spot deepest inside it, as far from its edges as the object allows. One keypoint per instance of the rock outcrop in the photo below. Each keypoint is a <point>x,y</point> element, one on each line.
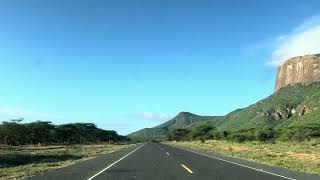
<point>299,70</point>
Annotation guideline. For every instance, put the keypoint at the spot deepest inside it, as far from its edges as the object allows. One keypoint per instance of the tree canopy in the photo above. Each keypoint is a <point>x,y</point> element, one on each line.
<point>16,133</point>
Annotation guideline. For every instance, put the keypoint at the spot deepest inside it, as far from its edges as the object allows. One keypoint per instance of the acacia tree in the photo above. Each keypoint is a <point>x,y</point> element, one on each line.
<point>179,134</point>
<point>15,133</point>
<point>12,133</point>
<point>201,132</point>
<point>39,132</point>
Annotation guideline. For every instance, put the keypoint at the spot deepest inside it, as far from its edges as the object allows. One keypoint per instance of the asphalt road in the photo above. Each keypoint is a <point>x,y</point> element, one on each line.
<point>155,161</point>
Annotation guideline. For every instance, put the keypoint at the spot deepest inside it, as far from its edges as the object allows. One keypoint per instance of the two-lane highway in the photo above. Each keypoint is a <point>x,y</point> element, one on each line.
<point>156,161</point>
<point>161,162</point>
<point>148,162</point>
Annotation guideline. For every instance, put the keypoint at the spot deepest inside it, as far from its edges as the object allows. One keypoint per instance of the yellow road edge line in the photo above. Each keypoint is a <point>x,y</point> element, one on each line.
<point>185,167</point>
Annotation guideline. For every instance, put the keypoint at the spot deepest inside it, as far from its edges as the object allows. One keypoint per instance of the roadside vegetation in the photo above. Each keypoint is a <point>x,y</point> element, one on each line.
<point>31,148</point>
<point>14,132</point>
<point>17,162</point>
<point>266,134</point>
<point>298,156</point>
<point>293,148</point>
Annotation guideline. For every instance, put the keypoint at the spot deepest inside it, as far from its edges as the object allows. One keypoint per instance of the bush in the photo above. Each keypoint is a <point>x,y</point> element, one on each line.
<point>178,135</point>
<point>201,132</point>
<point>300,133</point>
<point>241,137</point>
<point>216,135</point>
<point>264,135</point>
<point>303,134</point>
<point>219,134</point>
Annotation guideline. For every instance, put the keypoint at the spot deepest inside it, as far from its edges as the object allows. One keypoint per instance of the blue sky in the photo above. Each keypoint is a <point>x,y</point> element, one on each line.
<point>130,64</point>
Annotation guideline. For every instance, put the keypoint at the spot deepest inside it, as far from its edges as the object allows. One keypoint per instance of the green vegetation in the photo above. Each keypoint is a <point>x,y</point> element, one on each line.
<point>291,106</point>
<point>268,134</point>
<point>16,133</point>
<point>182,121</point>
<point>301,156</point>
<point>17,162</point>
<point>178,134</point>
<point>31,148</point>
<point>291,113</point>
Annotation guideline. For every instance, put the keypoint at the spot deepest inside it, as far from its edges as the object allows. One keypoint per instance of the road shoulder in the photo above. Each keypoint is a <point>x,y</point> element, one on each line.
<point>249,164</point>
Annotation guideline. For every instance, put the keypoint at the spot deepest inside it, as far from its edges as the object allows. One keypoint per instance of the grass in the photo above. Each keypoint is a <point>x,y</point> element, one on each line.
<point>23,161</point>
<point>297,156</point>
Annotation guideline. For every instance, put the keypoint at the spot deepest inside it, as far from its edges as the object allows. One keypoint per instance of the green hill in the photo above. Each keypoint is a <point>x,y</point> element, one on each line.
<point>182,120</point>
<point>292,106</point>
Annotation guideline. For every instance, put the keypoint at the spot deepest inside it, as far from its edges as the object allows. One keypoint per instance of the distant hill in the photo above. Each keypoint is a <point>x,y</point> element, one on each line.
<point>182,120</point>
<point>291,106</point>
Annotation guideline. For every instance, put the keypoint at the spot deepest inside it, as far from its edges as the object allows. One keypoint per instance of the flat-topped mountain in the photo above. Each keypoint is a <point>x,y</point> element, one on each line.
<point>299,70</point>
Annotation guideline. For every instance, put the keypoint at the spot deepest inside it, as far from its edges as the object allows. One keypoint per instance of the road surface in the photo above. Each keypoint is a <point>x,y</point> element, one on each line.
<point>156,161</point>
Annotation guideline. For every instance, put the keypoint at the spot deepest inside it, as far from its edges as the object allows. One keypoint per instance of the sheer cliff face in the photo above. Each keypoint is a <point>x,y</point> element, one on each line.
<point>302,69</point>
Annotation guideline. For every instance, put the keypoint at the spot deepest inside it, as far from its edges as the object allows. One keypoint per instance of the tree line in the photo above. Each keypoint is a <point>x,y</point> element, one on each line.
<point>44,132</point>
<point>266,134</point>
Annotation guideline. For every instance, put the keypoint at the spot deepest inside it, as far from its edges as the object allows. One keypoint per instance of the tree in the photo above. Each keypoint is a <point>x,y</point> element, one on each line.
<point>178,134</point>
<point>202,132</point>
<point>15,133</point>
<point>264,134</point>
<point>39,132</point>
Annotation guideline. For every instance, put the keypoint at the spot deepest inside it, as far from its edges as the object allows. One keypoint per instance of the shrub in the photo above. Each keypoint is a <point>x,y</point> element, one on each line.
<point>201,132</point>
<point>178,135</point>
<point>241,137</point>
<point>264,135</point>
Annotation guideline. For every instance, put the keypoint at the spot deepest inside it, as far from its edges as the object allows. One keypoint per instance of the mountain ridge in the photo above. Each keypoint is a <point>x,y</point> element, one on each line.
<point>181,120</point>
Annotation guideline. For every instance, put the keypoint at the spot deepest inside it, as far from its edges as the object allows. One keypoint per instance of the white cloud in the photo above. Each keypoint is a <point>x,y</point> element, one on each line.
<point>14,112</point>
<point>305,39</point>
<point>152,116</point>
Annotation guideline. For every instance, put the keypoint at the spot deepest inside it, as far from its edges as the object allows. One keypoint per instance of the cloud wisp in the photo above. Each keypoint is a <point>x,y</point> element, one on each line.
<point>160,117</point>
<point>303,40</point>
<point>14,112</point>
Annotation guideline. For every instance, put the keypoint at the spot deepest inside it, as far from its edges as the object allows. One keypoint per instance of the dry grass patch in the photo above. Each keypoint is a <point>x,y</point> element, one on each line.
<point>298,156</point>
<point>305,157</point>
<point>236,148</point>
<point>22,161</point>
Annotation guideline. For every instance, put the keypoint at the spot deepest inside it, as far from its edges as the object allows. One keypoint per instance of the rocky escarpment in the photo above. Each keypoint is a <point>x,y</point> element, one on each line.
<point>299,70</point>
